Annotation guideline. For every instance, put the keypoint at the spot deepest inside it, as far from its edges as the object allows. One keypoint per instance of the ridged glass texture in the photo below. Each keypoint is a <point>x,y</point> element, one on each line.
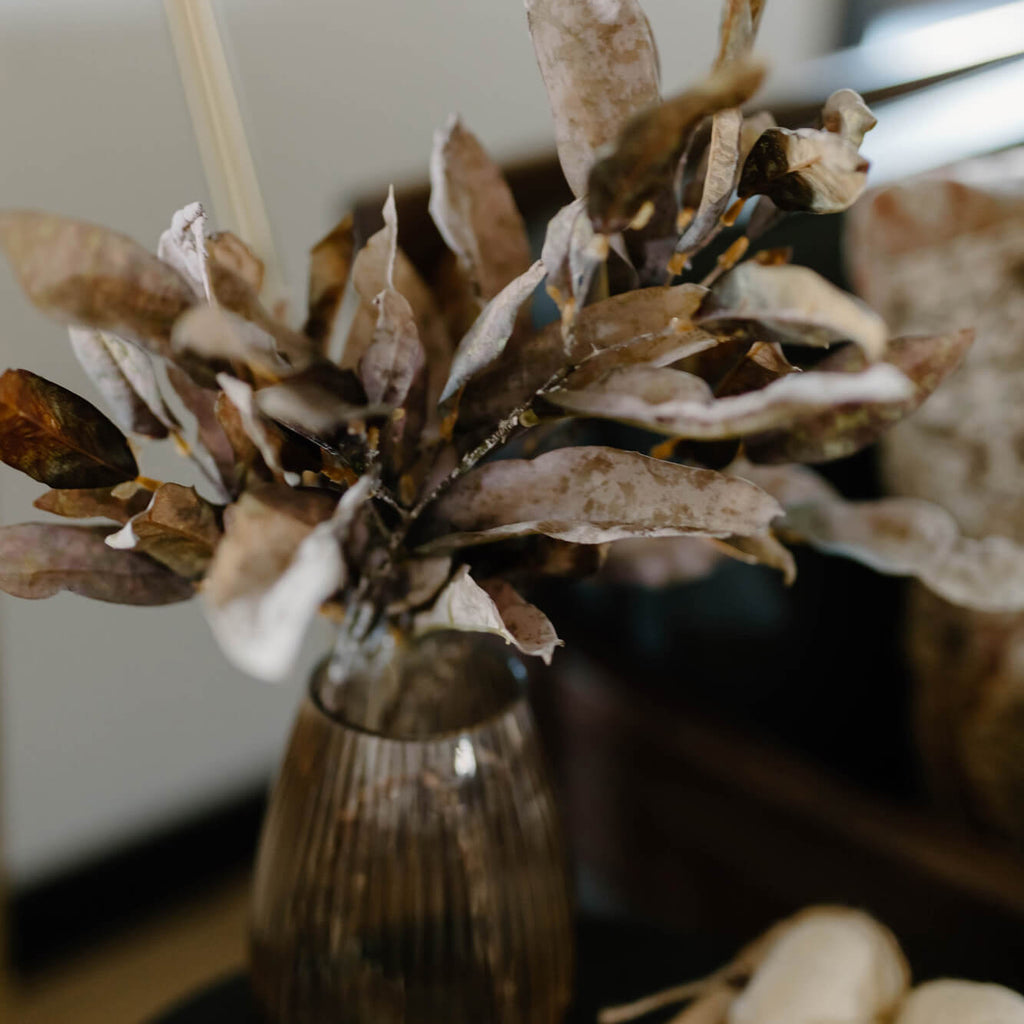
<point>414,878</point>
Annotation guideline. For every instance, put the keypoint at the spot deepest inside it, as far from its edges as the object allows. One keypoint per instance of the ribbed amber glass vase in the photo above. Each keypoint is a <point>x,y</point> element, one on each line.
<point>411,867</point>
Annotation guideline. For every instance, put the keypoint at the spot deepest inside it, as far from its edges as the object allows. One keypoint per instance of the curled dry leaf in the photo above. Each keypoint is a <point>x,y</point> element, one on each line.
<point>183,246</point>
<point>465,605</point>
<point>600,67</point>
<point>812,170</point>
<point>793,305</point>
<point>961,1002</point>
<point>258,430</point>
<point>740,20</point>
<point>840,431</point>
<point>591,495</point>
<point>118,503</point>
<point>124,375</point>
<point>648,150</point>
<point>847,115</point>
<point>395,356</point>
<point>93,277</point>
<point>330,263</point>
<point>178,528</point>
<point>488,337</point>
<point>378,265</point>
<point>678,404</point>
<point>214,336</point>
<point>39,560</point>
<point>899,537</point>
<point>278,562</point>
<point>825,963</point>
<point>317,403</point>
<point>58,438</point>
<point>531,630</point>
<point>473,208</point>
<point>227,252</point>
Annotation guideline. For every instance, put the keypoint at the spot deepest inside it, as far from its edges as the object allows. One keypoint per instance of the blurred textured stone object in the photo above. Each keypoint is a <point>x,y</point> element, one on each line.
<point>939,252</point>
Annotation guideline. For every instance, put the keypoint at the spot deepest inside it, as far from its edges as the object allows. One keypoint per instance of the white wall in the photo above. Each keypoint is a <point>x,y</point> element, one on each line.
<point>115,720</point>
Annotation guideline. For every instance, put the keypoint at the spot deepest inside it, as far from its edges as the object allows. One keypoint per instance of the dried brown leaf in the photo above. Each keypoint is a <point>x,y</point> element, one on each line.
<point>678,404</point>
<point>600,67</point>
<point>473,208</point>
<point>58,438</point>
<point>395,356</point>
<point>39,560</point>
<point>210,446</point>
<point>118,503</point>
<point>793,305</point>
<point>647,152</point>
<point>215,336</point>
<point>318,402</point>
<point>178,528</point>
<point>231,254</point>
<point>531,630</point>
<point>841,431</point>
<point>899,537</point>
<point>591,495</point>
<point>92,277</point>
<point>488,337</point>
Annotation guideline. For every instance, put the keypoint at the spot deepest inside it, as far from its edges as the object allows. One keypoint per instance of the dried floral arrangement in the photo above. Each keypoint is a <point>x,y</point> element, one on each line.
<point>826,963</point>
<point>409,484</point>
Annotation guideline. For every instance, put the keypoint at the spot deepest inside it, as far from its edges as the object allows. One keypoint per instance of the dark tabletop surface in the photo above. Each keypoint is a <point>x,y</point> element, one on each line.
<point>616,963</point>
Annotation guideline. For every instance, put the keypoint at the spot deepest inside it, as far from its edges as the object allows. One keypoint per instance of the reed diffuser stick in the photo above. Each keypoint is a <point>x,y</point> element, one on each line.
<point>223,147</point>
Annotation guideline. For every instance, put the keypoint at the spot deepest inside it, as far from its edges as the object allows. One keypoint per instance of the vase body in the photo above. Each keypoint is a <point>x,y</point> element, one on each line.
<point>411,867</point>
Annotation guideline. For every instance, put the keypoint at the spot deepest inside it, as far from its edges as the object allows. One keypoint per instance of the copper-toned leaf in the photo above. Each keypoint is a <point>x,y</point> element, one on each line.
<point>183,246</point>
<point>118,503</point>
<point>178,528</point>
<point>488,337</point>
<point>600,67</point>
<point>899,537</point>
<point>39,560</point>
<point>648,149</point>
<point>838,432</point>
<point>90,276</point>
<point>793,305</point>
<point>124,375</point>
<point>678,404</point>
<point>330,263</point>
<point>58,438</point>
<point>473,208</point>
<point>395,356</point>
<point>590,495</point>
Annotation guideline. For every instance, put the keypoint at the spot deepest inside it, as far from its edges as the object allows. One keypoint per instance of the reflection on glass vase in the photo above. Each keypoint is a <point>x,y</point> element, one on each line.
<point>411,867</point>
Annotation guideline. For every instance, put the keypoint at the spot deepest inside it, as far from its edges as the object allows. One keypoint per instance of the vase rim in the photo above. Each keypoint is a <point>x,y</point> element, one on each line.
<point>516,697</point>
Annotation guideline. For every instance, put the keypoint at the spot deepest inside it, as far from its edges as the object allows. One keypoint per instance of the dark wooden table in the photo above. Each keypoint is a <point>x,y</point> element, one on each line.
<point>616,963</point>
